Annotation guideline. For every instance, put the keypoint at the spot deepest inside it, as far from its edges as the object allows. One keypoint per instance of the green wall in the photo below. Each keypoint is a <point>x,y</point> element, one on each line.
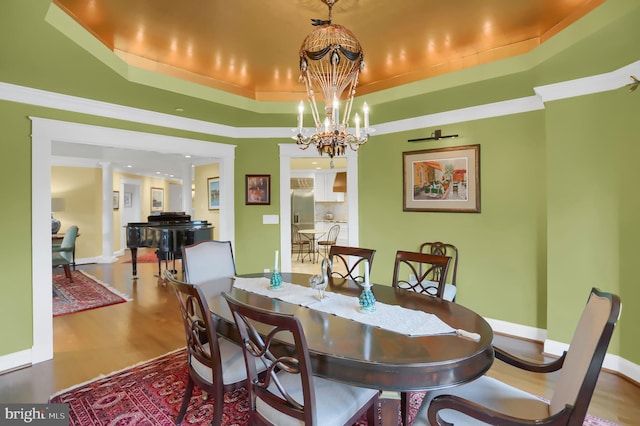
<point>593,209</point>
<point>502,249</point>
<point>559,204</point>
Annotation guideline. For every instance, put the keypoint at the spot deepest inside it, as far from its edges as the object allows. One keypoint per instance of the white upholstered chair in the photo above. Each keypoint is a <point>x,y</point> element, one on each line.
<point>207,261</point>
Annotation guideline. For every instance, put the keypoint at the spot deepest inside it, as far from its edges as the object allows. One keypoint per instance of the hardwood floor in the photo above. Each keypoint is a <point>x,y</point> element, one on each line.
<point>100,341</point>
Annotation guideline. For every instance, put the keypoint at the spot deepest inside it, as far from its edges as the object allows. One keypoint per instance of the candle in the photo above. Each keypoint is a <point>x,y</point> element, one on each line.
<point>300,111</point>
<point>357,118</point>
<point>275,265</point>
<point>365,107</point>
<point>366,272</point>
<point>327,124</point>
<point>336,119</point>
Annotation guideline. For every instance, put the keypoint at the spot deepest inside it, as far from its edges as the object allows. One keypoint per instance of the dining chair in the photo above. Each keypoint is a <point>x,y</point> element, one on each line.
<point>445,249</point>
<point>300,243</point>
<point>421,272</point>
<point>63,254</point>
<point>290,394</point>
<point>216,364</point>
<point>329,240</point>
<point>490,401</point>
<point>342,256</point>
<point>208,260</point>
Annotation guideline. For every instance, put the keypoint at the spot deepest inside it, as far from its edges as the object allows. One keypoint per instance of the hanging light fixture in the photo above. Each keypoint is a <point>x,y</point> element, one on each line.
<point>330,62</point>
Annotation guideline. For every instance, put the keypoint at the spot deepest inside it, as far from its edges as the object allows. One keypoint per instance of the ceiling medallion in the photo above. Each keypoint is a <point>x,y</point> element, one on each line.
<point>331,59</point>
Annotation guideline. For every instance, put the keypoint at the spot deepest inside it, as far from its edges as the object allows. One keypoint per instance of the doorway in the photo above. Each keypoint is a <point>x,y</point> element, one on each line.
<point>44,132</point>
<point>292,151</point>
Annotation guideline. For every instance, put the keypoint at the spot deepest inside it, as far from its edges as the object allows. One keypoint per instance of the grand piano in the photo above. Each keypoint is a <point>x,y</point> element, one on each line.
<point>168,232</point>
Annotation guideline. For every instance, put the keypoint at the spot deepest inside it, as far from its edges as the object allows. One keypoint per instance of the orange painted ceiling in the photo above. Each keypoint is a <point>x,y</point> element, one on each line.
<point>250,47</point>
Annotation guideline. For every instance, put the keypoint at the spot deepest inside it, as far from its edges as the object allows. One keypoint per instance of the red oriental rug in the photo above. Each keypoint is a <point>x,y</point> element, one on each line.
<point>144,258</point>
<point>151,394</point>
<point>84,293</point>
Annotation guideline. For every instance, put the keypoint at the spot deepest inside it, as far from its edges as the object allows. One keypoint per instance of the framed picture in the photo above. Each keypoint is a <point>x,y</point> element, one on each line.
<point>127,200</point>
<point>213,191</point>
<point>116,200</point>
<point>157,199</point>
<point>442,180</point>
<point>258,189</point>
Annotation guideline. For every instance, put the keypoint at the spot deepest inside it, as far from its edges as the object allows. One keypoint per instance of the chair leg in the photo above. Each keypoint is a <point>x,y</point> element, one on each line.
<point>185,401</point>
<point>67,272</point>
<point>373,419</point>
<point>404,407</point>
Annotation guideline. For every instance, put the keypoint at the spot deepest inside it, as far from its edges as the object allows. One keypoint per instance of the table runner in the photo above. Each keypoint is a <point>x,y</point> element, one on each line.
<point>389,317</point>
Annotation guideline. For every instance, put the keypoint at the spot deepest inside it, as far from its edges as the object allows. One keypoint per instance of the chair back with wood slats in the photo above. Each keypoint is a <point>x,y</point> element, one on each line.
<point>345,256</point>
<point>421,272</point>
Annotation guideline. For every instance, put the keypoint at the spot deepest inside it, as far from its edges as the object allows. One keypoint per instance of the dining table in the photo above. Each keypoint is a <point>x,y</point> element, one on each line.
<point>353,349</point>
<point>313,235</point>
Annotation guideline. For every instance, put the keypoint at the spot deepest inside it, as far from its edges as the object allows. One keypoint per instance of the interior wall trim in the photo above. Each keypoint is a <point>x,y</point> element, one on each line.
<point>562,90</point>
<point>611,362</point>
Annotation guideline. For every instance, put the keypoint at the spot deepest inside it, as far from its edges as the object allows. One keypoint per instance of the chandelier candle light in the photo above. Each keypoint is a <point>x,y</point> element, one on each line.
<point>331,59</point>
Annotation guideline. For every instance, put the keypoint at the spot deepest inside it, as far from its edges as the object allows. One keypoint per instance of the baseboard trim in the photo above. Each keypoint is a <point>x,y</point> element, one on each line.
<point>613,363</point>
<point>15,361</point>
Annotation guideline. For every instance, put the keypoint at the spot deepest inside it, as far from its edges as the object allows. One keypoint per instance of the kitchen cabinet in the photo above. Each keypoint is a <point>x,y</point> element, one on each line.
<point>324,188</point>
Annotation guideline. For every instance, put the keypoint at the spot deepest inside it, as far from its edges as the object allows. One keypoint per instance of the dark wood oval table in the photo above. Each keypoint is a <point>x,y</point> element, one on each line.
<point>359,354</point>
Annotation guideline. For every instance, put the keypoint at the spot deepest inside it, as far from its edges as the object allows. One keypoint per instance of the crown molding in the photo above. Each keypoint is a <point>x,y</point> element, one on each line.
<point>567,89</point>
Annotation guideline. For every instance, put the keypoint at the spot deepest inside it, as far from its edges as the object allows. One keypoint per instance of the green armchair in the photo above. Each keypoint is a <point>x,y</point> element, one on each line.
<point>62,254</point>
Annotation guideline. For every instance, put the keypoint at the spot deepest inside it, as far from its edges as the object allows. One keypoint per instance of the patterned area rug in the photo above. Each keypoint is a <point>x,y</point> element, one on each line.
<point>151,394</point>
<point>84,293</point>
<point>144,258</point>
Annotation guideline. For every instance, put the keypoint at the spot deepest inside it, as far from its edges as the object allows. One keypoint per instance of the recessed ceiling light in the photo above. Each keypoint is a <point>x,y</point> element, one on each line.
<point>187,156</point>
<point>129,166</point>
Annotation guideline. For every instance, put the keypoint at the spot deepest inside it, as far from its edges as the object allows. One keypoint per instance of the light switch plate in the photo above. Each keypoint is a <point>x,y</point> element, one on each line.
<point>270,219</point>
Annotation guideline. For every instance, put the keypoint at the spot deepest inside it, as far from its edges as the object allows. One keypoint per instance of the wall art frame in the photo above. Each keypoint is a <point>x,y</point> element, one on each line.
<point>258,189</point>
<point>157,199</point>
<point>442,180</point>
<point>213,193</point>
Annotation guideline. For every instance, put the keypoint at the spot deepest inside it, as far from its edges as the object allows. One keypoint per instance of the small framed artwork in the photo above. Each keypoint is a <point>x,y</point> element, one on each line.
<point>157,199</point>
<point>442,180</point>
<point>127,200</point>
<point>213,191</point>
<point>116,200</point>
<point>258,189</point>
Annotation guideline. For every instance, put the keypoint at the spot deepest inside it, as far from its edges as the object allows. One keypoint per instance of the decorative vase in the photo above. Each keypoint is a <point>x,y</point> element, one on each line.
<point>55,225</point>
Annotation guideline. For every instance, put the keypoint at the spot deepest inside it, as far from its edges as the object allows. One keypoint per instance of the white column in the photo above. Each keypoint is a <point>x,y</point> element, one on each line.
<point>187,179</point>
<point>107,212</point>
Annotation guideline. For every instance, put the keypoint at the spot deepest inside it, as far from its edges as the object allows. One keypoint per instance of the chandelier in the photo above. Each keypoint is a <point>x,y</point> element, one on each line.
<point>330,62</point>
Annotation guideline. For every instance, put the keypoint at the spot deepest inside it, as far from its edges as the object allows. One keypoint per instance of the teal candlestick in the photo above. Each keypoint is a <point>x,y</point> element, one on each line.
<point>367,299</point>
<point>276,279</point>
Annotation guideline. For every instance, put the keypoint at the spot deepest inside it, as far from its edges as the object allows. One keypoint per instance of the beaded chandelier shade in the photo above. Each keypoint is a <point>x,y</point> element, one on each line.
<point>331,59</point>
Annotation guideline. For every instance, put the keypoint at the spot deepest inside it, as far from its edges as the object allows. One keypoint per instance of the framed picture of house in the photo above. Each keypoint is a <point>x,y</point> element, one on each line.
<point>157,199</point>
<point>116,200</point>
<point>213,191</point>
<point>442,180</point>
<point>258,189</point>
